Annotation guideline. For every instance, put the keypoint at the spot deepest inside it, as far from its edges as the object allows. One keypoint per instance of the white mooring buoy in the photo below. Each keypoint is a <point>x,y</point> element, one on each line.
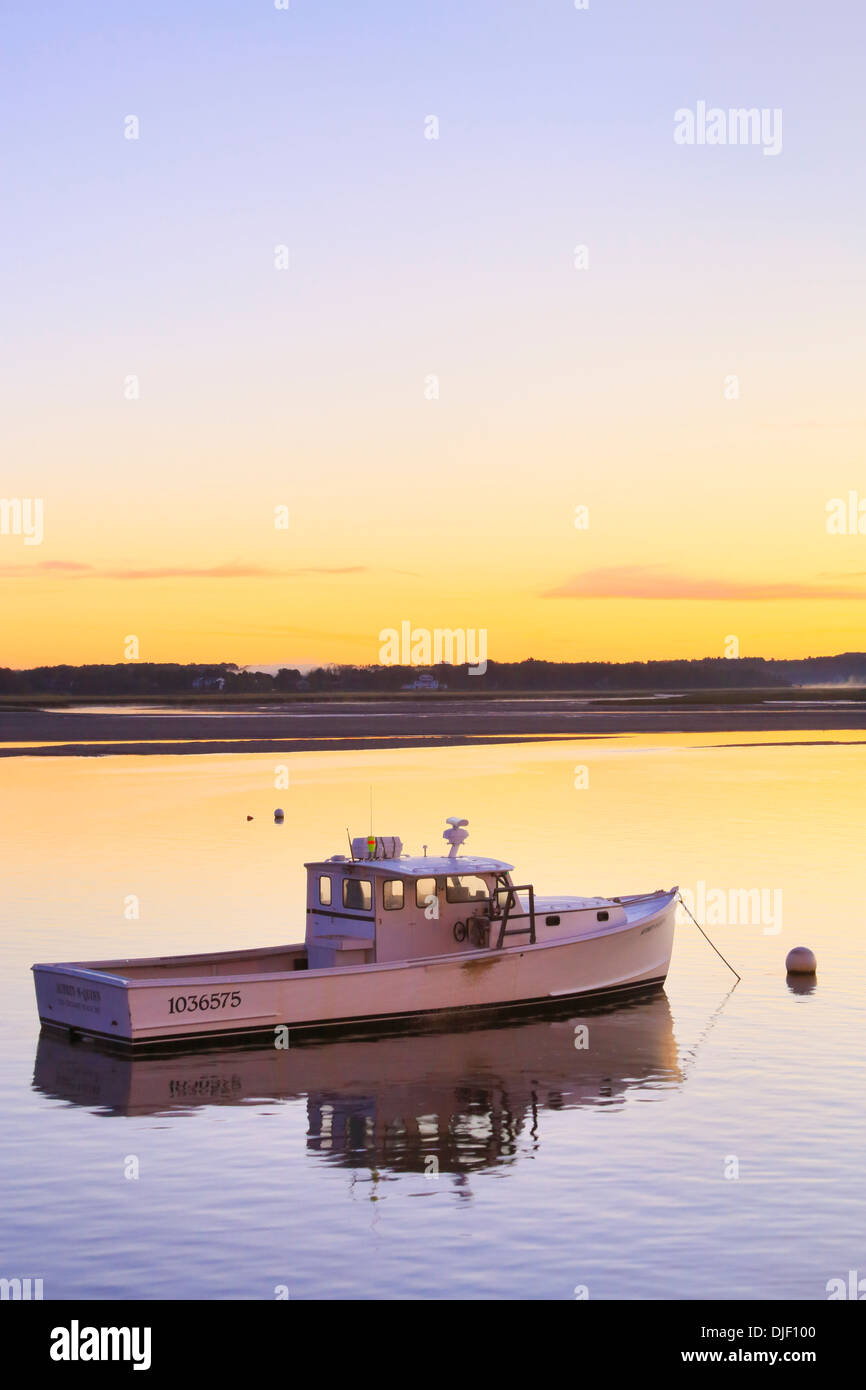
<point>801,961</point>
<point>278,813</point>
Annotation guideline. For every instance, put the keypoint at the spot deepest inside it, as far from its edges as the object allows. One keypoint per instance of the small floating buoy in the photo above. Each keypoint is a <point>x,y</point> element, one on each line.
<point>249,817</point>
<point>278,813</point>
<point>801,961</point>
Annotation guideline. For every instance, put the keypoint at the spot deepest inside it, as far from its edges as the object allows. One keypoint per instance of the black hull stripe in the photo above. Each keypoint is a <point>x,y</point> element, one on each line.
<point>350,916</point>
<point>317,1030</point>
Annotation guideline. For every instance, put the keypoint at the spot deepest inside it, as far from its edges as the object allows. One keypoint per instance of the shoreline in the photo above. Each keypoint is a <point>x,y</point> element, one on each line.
<point>313,726</point>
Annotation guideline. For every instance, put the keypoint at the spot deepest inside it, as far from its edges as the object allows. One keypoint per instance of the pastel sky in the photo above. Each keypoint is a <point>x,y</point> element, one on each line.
<point>412,259</point>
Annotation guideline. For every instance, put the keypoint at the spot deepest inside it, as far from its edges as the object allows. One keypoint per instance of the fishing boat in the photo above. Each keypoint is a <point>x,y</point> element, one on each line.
<point>393,943</point>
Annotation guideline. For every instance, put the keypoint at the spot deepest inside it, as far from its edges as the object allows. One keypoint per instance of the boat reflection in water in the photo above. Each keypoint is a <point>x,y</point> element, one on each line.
<point>452,1102</point>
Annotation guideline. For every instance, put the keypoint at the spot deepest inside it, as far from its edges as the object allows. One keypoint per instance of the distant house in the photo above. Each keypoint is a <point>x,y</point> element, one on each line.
<point>425,682</point>
<point>209,683</point>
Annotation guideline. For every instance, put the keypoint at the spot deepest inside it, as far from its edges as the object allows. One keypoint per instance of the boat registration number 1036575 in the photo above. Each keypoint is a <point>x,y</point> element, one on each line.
<point>200,1003</point>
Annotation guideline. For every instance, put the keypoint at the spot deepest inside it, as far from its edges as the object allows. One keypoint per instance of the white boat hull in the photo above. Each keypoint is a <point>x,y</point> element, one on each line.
<point>225,996</point>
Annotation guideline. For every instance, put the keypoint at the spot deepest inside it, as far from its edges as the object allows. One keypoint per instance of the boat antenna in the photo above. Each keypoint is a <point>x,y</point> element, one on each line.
<point>349,838</point>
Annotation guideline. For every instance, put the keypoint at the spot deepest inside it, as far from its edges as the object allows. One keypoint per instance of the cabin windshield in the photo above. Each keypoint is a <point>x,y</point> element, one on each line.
<point>468,888</point>
<point>358,894</point>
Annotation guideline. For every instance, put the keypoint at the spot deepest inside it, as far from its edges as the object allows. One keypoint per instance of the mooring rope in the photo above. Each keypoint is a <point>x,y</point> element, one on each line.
<point>706,938</point>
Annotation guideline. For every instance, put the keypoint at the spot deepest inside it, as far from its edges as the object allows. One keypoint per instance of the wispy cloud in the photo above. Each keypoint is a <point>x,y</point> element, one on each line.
<point>60,565</point>
<point>657,582</point>
<point>231,570</point>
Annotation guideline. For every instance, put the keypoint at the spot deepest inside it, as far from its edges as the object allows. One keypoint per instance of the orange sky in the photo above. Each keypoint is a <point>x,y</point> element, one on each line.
<point>432,387</point>
<point>702,524</point>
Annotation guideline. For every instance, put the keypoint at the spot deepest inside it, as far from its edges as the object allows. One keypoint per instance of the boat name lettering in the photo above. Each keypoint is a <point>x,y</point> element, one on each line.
<point>77,992</point>
<point>206,1086</point>
<point>200,1003</point>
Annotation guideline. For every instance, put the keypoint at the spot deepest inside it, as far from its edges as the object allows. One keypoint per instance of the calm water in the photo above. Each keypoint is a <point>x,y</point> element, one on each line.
<point>493,1163</point>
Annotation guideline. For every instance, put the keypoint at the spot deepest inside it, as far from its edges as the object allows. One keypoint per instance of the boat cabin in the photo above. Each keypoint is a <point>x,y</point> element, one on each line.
<point>382,905</point>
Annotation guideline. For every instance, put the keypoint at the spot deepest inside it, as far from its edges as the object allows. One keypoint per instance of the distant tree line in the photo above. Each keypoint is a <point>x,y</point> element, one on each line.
<point>139,679</point>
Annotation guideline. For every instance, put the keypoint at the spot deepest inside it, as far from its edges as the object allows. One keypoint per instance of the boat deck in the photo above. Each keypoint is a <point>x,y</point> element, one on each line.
<point>278,960</point>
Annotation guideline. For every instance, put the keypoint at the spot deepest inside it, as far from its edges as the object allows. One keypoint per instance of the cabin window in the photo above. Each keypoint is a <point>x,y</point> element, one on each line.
<point>324,890</point>
<point>466,889</point>
<point>603,916</point>
<point>392,893</point>
<point>358,894</point>
<point>424,888</point>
